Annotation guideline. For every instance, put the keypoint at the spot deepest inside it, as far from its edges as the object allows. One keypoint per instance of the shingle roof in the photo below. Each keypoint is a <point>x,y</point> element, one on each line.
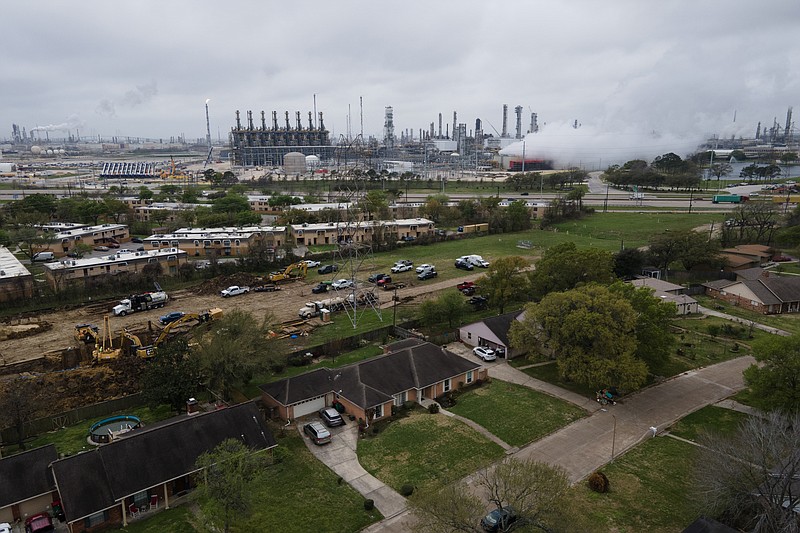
<point>719,284</point>
<point>499,325</point>
<point>369,383</point>
<point>95,480</point>
<point>786,288</point>
<point>26,475</point>
<point>749,273</point>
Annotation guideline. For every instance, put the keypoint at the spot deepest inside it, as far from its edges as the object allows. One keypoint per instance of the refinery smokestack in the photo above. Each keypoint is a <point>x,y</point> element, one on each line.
<point>518,111</point>
<point>455,124</point>
<point>505,121</point>
<point>534,123</point>
<point>440,125</point>
<point>388,128</point>
<point>788,129</point>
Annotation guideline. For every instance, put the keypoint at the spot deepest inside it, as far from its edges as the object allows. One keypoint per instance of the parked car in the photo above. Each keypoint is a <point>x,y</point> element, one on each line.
<point>385,280</point>
<point>486,354</point>
<point>101,248</point>
<point>427,274</point>
<point>465,285</point>
<point>423,267</point>
<point>464,265</point>
<point>234,290</point>
<point>320,288</point>
<point>340,284</point>
<point>331,417</point>
<point>5,527</point>
<point>478,302</point>
<point>499,519</point>
<point>311,264</point>
<point>137,240</point>
<point>468,291</point>
<point>140,248</point>
<point>39,523</point>
<point>526,193</point>
<point>375,278</point>
<point>327,269</point>
<point>401,268</point>
<point>170,317</point>
<point>113,245</point>
<point>317,433</point>
<point>406,262</point>
<point>43,256</point>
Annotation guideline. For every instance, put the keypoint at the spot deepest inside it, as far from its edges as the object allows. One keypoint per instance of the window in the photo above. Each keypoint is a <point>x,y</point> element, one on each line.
<point>197,243</point>
<point>400,399</point>
<point>141,498</point>
<point>226,242</point>
<point>470,376</point>
<point>206,243</point>
<point>447,385</point>
<point>238,242</point>
<point>217,242</point>
<point>172,258</point>
<point>469,334</point>
<point>378,411</point>
<point>174,243</point>
<point>95,519</point>
<point>154,244</point>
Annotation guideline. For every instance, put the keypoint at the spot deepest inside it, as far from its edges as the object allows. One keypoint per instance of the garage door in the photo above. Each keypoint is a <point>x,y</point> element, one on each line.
<point>309,406</point>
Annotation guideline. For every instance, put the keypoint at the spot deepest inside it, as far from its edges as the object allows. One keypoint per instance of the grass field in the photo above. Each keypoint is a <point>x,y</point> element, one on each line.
<point>515,414</point>
<point>426,451</point>
<point>649,490</point>
<point>786,322</point>
<point>708,419</point>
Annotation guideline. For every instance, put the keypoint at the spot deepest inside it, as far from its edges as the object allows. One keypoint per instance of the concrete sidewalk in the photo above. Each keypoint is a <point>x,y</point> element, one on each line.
<point>340,456</point>
<point>588,444</point>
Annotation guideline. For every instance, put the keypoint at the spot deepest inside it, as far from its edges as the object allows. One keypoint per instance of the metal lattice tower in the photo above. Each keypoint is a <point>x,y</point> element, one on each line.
<point>354,258</point>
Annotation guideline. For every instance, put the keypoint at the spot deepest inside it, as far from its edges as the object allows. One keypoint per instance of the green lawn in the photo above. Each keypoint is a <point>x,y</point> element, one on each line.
<point>713,419</point>
<point>426,450</point>
<point>549,373</point>
<point>515,414</point>
<point>786,322</point>
<point>175,520</point>
<point>650,490</point>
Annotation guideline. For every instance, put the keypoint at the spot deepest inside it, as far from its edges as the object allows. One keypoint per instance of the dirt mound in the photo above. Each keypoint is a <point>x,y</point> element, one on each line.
<point>213,286</point>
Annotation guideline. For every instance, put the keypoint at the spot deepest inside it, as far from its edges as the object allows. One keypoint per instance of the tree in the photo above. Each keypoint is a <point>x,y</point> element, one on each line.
<point>375,205</point>
<point>435,207</point>
<point>749,479</point>
<point>232,349</point>
<point>17,407</point>
<point>654,341</point>
<point>591,332</point>
<point>30,240</point>
<point>564,267</point>
<point>720,170</point>
<point>450,306</point>
<point>537,492</point>
<point>230,471</point>
<point>173,377</point>
<point>504,281</point>
<point>628,262</point>
<point>689,247</point>
<point>145,193</point>
<point>775,381</point>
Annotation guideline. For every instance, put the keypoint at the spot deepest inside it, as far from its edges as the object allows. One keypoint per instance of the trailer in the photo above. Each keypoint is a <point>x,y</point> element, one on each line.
<point>729,199</point>
<point>312,309</point>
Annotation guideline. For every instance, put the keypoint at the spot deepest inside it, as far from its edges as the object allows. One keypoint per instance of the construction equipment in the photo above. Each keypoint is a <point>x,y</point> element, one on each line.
<point>136,346</point>
<point>215,313</point>
<point>141,302</point>
<point>104,350</point>
<point>288,273</point>
<point>173,171</point>
<point>87,333</point>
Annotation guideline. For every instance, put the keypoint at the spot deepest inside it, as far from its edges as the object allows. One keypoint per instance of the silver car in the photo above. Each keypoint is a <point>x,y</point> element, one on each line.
<point>331,417</point>
<point>486,354</point>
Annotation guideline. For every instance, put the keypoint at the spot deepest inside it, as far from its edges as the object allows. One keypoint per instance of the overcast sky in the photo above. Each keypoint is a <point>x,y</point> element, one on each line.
<point>623,69</point>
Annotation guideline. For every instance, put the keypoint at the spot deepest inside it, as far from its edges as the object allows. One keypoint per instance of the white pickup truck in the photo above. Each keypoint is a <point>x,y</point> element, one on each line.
<point>234,290</point>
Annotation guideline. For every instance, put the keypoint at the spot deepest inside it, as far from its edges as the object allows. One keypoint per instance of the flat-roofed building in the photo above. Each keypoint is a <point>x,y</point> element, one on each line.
<point>360,231</point>
<point>161,211</point>
<point>16,282</point>
<point>224,241</point>
<point>64,241</point>
<point>68,271</point>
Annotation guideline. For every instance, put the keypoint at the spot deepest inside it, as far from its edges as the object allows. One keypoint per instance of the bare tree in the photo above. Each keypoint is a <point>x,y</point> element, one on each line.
<point>751,480</point>
<point>18,406</point>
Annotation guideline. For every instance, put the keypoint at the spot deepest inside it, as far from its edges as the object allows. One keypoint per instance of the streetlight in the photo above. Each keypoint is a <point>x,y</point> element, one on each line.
<point>613,438</point>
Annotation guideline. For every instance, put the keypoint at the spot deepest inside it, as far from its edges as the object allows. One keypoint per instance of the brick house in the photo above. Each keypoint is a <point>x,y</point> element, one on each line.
<point>769,294</point>
<point>27,488</point>
<point>412,370</point>
<point>151,465</point>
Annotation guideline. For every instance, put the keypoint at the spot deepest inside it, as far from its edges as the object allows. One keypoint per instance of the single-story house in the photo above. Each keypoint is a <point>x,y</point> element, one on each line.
<point>669,292</point>
<point>150,465</point>
<point>412,370</point>
<point>769,294</point>
<point>27,486</point>
<point>493,332</point>
<point>747,256</point>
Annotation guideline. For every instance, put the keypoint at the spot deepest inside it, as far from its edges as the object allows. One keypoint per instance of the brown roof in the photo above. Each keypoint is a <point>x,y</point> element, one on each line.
<point>734,260</point>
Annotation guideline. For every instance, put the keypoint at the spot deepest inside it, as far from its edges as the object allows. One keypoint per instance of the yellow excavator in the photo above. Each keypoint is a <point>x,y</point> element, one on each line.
<point>289,273</point>
<point>214,313</point>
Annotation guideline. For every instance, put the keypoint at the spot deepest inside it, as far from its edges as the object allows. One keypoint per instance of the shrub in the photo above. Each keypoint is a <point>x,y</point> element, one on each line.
<point>433,408</point>
<point>375,430</point>
<point>407,490</point>
<point>339,480</point>
<point>369,505</point>
<point>713,329</point>
<point>598,482</point>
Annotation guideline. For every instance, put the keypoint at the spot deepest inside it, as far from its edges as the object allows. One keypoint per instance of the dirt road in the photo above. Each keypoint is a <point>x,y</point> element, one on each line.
<point>284,304</point>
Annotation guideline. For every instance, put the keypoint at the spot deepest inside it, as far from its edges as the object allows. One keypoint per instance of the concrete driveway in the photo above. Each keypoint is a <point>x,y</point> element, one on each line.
<point>340,456</point>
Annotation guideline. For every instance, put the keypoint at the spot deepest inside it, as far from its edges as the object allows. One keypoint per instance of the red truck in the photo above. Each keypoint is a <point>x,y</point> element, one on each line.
<point>39,523</point>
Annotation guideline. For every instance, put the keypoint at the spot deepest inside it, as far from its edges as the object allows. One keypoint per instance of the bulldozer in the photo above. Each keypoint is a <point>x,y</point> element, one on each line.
<point>288,273</point>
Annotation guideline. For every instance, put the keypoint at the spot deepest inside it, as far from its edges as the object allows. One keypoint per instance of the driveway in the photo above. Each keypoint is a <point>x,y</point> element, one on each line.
<point>340,456</point>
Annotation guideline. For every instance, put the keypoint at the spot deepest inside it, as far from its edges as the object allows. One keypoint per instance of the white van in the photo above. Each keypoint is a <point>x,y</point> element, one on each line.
<point>43,256</point>
<point>475,260</point>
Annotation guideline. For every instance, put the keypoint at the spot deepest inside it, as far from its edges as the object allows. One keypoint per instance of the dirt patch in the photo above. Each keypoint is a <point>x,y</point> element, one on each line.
<point>20,331</point>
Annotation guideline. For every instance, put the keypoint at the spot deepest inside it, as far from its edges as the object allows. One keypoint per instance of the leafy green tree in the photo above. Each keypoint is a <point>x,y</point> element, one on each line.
<point>629,262</point>
<point>654,341</point>
<point>564,267</point>
<point>173,376</point>
<point>504,281</point>
<point>518,216</point>
<point>689,247</point>
<point>375,205</point>
<point>116,209</point>
<point>450,306</point>
<point>592,333</point>
<point>43,205</point>
<point>775,380</point>
<point>435,207</point>
<point>231,203</point>
<point>30,240</point>
<point>226,486</point>
<point>232,349</point>
<point>145,193</point>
